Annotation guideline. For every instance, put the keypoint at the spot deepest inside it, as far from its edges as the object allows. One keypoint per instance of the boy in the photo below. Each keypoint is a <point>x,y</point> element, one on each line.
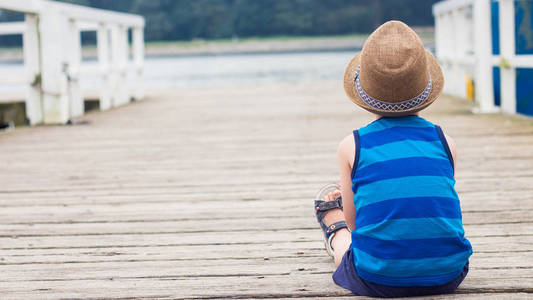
<point>394,224</point>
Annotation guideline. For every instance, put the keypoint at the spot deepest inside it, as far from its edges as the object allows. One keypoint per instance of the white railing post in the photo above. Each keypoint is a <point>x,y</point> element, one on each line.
<point>447,51</point>
<point>102,44</point>
<point>457,78</point>
<point>443,52</point>
<point>114,71</point>
<point>438,34</point>
<point>123,62</point>
<point>483,52</point>
<point>119,53</point>
<point>30,48</point>
<point>138,61</point>
<point>507,54</point>
<point>52,27</point>
<point>462,41</point>
<point>77,105</point>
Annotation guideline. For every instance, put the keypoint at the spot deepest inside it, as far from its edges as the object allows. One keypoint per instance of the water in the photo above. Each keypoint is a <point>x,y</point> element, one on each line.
<point>223,70</point>
<point>245,69</point>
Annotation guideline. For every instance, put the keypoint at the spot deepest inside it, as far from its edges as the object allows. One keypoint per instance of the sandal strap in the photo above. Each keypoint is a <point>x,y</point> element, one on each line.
<point>335,227</point>
<point>321,207</point>
<point>330,233</point>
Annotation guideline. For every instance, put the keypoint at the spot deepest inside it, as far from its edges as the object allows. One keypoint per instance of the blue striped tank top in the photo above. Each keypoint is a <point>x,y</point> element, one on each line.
<point>408,224</point>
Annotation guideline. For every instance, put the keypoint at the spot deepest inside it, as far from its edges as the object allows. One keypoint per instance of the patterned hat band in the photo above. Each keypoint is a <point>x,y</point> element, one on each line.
<point>400,106</point>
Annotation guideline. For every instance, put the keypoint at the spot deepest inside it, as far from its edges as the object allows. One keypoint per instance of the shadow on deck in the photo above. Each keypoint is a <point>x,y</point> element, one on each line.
<point>208,194</point>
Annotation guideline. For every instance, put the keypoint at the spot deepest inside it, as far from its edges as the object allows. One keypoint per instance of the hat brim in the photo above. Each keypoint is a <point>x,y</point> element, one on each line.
<point>437,79</point>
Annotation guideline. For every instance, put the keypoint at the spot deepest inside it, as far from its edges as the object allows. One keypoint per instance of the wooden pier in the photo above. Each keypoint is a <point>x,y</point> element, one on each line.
<point>207,193</point>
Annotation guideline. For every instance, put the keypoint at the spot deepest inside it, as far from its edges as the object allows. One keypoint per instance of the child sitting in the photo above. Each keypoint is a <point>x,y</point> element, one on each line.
<point>394,224</point>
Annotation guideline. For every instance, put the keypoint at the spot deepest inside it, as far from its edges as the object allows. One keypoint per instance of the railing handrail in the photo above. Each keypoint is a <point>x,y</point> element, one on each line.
<point>450,5</point>
<point>74,11</point>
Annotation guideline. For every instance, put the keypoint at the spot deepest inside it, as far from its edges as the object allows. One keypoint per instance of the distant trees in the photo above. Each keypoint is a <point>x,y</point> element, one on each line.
<point>209,19</point>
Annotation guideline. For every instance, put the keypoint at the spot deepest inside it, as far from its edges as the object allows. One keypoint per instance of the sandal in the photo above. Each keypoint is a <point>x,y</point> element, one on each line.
<point>321,208</point>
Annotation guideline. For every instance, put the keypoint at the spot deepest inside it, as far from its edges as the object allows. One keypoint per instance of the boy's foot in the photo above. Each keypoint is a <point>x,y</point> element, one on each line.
<point>334,215</point>
<point>329,214</point>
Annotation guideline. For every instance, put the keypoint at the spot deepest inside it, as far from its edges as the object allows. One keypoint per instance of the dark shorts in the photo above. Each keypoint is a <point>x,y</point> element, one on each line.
<point>346,276</point>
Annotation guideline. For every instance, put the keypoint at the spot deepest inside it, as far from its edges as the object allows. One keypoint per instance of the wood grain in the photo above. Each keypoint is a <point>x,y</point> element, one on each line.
<point>207,193</point>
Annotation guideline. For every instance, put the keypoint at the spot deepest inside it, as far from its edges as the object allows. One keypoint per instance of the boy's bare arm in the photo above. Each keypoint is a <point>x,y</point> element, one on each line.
<point>346,154</point>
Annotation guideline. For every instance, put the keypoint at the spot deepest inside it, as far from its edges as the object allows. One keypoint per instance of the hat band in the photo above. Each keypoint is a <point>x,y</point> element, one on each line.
<point>387,106</point>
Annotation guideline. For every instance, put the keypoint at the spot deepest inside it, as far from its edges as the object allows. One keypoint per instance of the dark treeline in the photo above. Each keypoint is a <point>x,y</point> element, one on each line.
<point>212,19</point>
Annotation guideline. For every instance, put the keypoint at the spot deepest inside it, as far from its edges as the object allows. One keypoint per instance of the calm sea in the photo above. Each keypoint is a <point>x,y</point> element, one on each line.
<point>216,70</point>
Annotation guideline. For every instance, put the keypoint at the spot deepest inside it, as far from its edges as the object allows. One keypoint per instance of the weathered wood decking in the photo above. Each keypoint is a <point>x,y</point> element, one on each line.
<point>208,193</point>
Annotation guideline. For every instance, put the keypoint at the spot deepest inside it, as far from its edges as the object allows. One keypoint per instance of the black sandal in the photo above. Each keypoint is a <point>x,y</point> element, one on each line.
<point>321,208</point>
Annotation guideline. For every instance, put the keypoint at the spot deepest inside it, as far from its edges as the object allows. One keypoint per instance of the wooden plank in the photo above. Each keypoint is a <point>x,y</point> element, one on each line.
<point>217,238</point>
<point>211,223</point>
<point>193,208</point>
<point>230,286</point>
<point>168,211</point>
<point>213,254</point>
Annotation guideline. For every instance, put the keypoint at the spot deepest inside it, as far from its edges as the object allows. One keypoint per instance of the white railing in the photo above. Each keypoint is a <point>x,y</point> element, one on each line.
<point>53,58</point>
<point>464,47</point>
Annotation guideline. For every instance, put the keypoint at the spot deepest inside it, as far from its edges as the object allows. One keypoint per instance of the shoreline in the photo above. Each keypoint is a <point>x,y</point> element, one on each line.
<point>256,46</point>
<point>264,45</point>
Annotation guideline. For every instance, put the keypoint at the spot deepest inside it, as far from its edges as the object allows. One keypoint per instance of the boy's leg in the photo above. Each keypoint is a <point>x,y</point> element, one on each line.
<point>342,238</point>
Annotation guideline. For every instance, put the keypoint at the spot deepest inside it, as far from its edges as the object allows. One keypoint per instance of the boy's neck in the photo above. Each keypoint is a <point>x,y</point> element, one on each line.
<point>379,116</point>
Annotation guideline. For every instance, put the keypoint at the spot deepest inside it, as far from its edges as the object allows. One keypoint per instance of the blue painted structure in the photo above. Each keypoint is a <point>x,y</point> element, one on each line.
<point>524,26</point>
<point>496,82</point>
<point>523,46</point>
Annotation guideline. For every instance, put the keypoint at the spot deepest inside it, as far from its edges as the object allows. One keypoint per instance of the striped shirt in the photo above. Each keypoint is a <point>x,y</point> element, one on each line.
<point>408,225</point>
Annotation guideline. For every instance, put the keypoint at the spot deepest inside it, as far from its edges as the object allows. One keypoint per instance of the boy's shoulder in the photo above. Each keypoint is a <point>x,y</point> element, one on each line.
<point>347,141</point>
<point>346,149</point>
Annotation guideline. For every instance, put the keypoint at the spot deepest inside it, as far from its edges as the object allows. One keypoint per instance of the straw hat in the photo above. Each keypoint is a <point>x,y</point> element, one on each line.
<point>393,75</point>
